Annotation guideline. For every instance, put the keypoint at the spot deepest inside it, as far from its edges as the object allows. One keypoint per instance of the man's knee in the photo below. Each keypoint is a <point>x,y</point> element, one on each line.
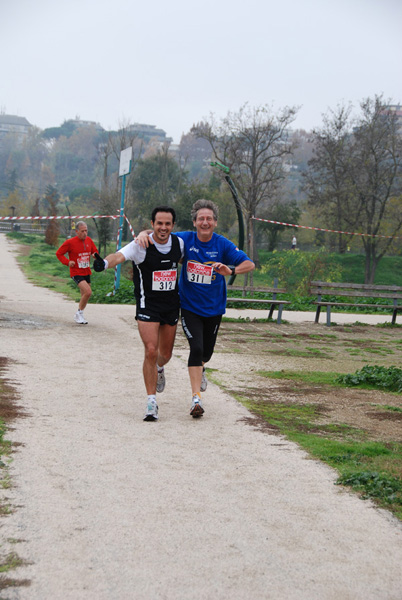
<point>86,292</point>
<point>166,354</point>
<point>151,352</point>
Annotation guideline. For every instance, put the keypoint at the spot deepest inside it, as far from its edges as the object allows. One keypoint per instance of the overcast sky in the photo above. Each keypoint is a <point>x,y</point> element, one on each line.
<point>170,63</point>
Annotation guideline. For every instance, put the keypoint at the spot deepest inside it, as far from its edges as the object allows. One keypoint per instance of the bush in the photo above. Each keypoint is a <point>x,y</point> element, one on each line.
<point>385,378</point>
<point>295,270</point>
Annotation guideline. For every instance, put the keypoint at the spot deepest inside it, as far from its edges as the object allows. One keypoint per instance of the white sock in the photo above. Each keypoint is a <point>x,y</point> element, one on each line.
<point>160,369</point>
<point>151,398</point>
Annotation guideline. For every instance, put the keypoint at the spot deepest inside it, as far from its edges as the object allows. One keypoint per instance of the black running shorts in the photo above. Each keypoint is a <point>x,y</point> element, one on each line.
<point>148,315</point>
<point>79,278</point>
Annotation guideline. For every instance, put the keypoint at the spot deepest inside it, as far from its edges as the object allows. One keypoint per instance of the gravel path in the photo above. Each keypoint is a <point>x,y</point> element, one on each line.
<point>111,507</point>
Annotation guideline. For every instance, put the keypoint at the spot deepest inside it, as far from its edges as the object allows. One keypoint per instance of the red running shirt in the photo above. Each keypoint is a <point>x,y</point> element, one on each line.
<point>80,251</point>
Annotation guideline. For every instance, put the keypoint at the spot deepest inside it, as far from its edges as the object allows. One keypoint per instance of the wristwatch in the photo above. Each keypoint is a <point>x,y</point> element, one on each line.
<point>233,270</point>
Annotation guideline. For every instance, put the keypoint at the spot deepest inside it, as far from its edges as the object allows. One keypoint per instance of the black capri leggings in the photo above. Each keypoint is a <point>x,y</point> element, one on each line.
<point>201,333</point>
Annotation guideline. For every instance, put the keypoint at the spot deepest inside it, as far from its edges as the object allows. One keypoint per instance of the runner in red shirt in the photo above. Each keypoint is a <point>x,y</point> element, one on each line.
<point>79,249</point>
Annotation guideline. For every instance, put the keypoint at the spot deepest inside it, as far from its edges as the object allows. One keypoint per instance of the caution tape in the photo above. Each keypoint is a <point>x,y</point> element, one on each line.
<point>64,217</point>
<point>58,217</point>
<point>327,230</point>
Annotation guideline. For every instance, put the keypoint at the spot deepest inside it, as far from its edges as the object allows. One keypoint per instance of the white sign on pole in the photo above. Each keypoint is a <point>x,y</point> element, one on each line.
<point>125,161</point>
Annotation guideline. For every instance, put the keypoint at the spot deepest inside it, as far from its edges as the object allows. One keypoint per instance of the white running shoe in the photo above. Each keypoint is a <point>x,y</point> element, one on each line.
<point>161,381</point>
<point>85,322</point>
<point>196,407</point>
<point>151,413</point>
<point>204,382</point>
<point>79,318</point>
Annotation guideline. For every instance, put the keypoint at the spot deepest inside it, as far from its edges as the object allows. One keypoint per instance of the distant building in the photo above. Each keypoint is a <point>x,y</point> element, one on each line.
<point>148,132</point>
<point>18,126</point>
<point>394,109</point>
<point>79,123</point>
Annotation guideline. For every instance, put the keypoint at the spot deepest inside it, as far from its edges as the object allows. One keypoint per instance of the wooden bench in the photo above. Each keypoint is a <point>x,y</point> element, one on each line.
<point>248,297</point>
<point>357,291</point>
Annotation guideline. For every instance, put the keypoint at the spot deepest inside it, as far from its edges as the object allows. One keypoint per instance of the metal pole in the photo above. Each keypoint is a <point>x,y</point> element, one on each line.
<point>120,235</point>
<point>239,212</point>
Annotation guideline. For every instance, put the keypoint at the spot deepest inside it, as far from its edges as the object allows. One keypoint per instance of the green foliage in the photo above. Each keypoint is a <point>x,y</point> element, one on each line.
<point>371,484</point>
<point>102,288</point>
<point>350,266</point>
<point>84,195</point>
<point>156,181</point>
<point>66,129</point>
<point>297,269</point>
<point>385,378</point>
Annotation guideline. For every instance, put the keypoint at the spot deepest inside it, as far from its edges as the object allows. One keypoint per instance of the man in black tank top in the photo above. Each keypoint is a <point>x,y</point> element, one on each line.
<point>157,297</point>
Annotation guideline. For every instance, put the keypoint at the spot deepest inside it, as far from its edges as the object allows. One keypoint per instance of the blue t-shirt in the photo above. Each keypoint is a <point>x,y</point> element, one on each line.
<point>201,289</point>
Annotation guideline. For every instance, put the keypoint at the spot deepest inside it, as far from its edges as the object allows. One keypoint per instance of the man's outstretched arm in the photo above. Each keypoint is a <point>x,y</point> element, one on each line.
<point>112,260</point>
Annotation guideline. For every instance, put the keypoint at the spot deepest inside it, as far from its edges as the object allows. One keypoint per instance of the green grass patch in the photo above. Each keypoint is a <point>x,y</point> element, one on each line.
<point>9,410</point>
<point>11,561</point>
<point>311,377</point>
<point>397,409</point>
<point>307,353</point>
<point>7,563</point>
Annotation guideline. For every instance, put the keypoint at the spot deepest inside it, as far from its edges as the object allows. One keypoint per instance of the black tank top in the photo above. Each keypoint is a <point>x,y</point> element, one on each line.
<point>155,279</point>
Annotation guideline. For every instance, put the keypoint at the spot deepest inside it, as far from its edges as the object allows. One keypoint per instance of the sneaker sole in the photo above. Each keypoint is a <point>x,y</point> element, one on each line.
<point>150,418</point>
<point>197,411</point>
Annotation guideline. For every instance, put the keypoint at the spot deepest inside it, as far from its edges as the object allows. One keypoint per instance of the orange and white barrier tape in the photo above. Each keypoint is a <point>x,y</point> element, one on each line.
<point>64,217</point>
<point>328,230</point>
<point>59,217</point>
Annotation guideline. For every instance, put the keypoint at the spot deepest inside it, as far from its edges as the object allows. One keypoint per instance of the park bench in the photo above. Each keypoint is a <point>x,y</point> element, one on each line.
<point>357,291</point>
<point>248,297</point>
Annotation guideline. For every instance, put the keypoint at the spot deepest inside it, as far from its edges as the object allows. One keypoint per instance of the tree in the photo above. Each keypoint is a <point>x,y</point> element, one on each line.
<point>357,176</point>
<point>53,228</point>
<point>376,178</point>
<point>327,181</point>
<point>254,144</point>
<point>156,180</point>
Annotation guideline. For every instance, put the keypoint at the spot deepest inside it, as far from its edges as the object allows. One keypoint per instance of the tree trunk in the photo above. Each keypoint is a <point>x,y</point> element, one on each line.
<point>248,277</point>
<point>371,262</point>
<point>341,244</point>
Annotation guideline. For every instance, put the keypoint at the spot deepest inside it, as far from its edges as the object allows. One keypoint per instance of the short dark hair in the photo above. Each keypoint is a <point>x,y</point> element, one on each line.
<point>167,209</point>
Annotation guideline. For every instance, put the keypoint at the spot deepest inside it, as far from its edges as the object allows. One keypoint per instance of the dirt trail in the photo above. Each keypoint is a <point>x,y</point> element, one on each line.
<point>109,507</point>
